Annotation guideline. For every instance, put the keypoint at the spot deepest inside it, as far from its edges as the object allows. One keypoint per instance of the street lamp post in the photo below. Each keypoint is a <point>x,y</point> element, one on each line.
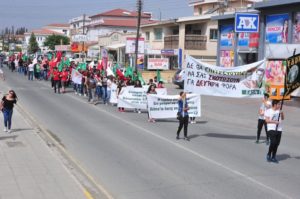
<point>139,8</point>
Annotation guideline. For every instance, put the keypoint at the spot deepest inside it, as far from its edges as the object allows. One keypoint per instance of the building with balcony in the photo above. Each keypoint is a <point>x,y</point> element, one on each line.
<point>117,20</point>
<point>78,25</point>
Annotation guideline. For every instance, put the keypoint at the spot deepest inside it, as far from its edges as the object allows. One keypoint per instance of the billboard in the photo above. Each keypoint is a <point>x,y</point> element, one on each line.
<point>227,36</point>
<point>296,28</point>
<point>245,22</point>
<point>130,45</point>
<point>277,28</point>
<point>158,64</point>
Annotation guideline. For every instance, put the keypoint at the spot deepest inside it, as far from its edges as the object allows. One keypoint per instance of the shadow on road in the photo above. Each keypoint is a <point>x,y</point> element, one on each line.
<point>281,157</point>
<point>229,136</point>
<point>193,136</point>
<point>13,137</point>
<point>24,129</point>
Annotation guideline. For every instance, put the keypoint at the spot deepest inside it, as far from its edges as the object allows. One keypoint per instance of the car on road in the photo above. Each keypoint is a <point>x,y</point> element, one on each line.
<point>178,78</point>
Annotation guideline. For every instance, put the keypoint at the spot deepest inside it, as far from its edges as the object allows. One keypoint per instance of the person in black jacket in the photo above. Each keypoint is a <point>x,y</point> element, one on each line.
<point>7,105</point>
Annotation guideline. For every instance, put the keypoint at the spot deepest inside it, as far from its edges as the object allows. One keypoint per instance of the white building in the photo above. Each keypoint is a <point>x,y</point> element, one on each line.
<point>41,35</point>
<point>64,29</point>
<point>118,20</point>
<point>78,25</point>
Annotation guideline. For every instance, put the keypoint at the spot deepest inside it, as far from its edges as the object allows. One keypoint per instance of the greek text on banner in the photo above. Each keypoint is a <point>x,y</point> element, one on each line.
<point>239,82</point>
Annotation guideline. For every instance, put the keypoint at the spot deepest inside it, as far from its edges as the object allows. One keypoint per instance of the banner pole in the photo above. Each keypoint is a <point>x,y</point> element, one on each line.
<point>282,100</point>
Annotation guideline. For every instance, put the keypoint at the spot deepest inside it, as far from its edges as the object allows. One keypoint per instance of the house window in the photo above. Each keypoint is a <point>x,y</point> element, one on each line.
<point>147,36</point>
<point>200,10</point>
<point>213,34</point>
<point>158,33</point>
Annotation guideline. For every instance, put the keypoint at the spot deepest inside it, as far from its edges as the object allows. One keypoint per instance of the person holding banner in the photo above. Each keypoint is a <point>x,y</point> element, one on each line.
<point>138,84</point>
<point>266,104</point>
<point>274,117</point>
<point>151,90</point>
<point>183,115</point>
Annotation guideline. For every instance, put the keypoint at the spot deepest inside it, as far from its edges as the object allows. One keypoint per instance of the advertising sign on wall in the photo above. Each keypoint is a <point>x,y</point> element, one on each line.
<point>296,24</point>
<point>130,45</point>
<point>245,22</point>
<point>227,58</point>
<point>158,64</point>
<point>277,28</point>
<point>227,36</point>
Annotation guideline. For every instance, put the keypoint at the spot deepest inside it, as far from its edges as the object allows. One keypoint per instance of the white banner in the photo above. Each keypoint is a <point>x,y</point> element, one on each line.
<point>136,98</point>
<point>166,106</point>
<point>113,95</point>
<point>130,45</point>
<point>76,77</point>
<point>158,63</point>
<point>238,82</point>
<point>79,38</point>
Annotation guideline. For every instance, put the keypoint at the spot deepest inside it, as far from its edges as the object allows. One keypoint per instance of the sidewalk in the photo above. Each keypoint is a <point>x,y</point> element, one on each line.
<point>29,169</point>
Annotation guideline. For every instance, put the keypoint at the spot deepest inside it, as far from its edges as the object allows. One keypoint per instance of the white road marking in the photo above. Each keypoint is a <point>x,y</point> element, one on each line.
<point>190,151</point>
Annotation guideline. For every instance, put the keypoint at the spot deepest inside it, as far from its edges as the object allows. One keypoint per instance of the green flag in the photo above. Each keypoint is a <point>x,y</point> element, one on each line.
<point>140,77</point>
<point>115,69</point>
<point>129,71</point>
<point>158,76</point>
<point>81,66</point>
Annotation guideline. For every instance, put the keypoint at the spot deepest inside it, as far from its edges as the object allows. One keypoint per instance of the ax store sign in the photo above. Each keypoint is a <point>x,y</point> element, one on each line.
<point>245,22</point>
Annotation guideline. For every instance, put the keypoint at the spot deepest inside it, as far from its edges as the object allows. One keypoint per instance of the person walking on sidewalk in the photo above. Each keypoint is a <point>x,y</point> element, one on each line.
<point>266,104</point>
<point>7,105</point>
<point>274,117</point>
<point>183,115</point>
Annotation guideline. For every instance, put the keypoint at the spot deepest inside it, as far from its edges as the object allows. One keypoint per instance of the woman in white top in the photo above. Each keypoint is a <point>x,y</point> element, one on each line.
<point>274,117</point>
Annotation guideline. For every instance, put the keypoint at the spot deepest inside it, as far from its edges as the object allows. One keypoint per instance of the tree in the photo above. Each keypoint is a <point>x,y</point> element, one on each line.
<point>33,45</point>
<point>53,40</point>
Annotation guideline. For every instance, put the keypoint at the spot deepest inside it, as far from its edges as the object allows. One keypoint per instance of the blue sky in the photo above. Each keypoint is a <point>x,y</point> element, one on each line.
<point>37,13</point>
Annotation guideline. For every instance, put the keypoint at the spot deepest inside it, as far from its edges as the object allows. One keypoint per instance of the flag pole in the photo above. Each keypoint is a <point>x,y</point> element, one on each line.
<point>282,100</point>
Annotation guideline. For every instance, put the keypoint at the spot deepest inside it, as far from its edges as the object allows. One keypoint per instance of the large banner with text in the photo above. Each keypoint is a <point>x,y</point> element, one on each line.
<point>166,106</point>
<point>136,98</point>
<point>239,82</point>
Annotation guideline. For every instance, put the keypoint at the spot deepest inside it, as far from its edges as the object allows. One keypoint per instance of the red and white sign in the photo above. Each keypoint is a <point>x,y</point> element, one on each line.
<point>130,45</point>
<point>158,63</point>
<point>62,47</point>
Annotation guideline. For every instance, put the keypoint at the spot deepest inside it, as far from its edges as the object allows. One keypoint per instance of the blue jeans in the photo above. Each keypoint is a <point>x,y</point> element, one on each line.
<point>99,91</point>
<point>104,93</point>
<point>108,95</point>
<point>7,114</point>
<point>30,75</point>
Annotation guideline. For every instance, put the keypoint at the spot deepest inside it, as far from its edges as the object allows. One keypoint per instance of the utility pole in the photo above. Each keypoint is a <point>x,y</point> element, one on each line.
<point>139,10</point>
<point>83,32</point>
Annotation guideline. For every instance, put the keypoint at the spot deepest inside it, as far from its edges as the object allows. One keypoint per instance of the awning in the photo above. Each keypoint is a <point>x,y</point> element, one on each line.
<point>116,46</point>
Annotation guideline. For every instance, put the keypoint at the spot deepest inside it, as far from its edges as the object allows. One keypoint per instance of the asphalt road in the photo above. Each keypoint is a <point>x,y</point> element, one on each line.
<point>134,159</point>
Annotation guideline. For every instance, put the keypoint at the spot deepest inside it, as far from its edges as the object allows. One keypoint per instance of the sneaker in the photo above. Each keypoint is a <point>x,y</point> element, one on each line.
<point>9,131</point>
<point>177,137</point>
<point>186,138</point>
<point>139,112</point>
<point>274,160</point>
<point>5,129</point>
<point>256,141</point>
<point>268,158</point>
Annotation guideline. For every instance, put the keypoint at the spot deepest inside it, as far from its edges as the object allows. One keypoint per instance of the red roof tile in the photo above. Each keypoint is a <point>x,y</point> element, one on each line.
<point>121,13</point>
<point>58,25</point>
<point>121,22</point>
<point>44,32</point>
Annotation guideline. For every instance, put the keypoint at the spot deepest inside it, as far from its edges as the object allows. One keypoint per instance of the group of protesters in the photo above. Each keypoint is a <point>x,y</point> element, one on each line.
<point>95,83</point>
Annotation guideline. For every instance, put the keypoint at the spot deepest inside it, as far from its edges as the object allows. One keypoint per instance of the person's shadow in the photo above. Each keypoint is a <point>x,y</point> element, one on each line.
<point>282,157</point>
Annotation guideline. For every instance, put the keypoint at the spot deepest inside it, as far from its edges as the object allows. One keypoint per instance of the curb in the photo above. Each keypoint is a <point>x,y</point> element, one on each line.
<point>90,187</point>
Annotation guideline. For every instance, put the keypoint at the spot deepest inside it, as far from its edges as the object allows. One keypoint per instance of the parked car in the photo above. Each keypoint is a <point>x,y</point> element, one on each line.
<point>178,78</point>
